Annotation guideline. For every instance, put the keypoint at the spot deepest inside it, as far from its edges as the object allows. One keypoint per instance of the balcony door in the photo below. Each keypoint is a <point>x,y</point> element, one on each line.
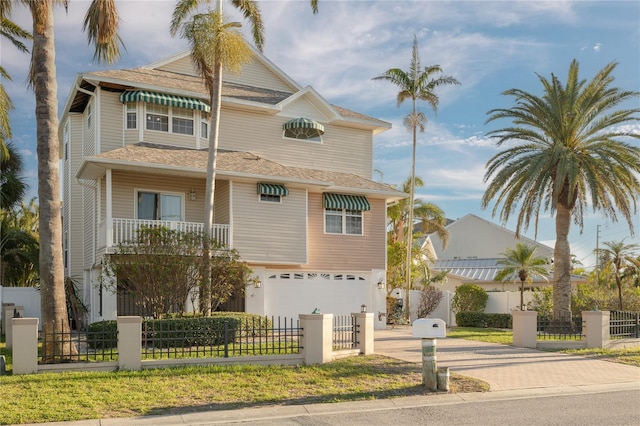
<point>158,206</point>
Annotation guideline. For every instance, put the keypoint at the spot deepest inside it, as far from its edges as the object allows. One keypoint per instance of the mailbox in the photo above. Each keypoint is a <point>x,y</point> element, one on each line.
<point>429,328</point>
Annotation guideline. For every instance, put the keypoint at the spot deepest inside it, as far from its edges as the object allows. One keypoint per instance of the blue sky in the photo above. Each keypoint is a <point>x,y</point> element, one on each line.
<point>488,46</point>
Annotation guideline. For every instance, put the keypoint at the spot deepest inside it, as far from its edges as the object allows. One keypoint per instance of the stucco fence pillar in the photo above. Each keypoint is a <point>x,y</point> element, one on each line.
<point>595,328</point>
<point>129,343</point>
<point>317,338</point>
<point>25,348</point>
<point>525,328</point>
<point>365,323</point>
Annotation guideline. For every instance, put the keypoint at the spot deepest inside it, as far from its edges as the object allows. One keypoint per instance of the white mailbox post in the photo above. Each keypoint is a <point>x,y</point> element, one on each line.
<point>429,329</point>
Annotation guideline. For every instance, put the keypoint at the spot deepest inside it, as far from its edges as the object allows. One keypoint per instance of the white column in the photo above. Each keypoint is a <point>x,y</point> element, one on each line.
<point>130,343</point>
<point>525,329</point>
<point>365,337</point>
<point>109,206</point>
<point>25,349</point>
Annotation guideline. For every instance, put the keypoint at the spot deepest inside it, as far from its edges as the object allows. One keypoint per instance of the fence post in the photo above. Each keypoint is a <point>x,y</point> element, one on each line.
<point>364,326</point>
<point>596,331</point>
<point>25,347</point>
<point>525,329</point>
<point>317,338</point>
<point>129,343</point>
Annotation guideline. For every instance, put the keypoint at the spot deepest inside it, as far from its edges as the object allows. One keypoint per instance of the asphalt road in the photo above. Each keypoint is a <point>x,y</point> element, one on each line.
<point>609,408</point>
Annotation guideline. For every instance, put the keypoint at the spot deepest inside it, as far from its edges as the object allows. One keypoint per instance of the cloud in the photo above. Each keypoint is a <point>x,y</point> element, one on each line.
<point>597,47</point>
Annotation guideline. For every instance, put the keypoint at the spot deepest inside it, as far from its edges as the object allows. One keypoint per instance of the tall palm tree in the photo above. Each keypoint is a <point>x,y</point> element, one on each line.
<point>216,46</point>
<point>100,23</point>
<point>567,152</point>
<point>415,84</point>
<point>523,264</point>
<point>621,258</point>
<point>15,34</point>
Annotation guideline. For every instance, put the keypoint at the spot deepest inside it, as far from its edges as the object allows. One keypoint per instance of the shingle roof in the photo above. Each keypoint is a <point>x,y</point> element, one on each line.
<point>189,83</point>
<point>237,162</point>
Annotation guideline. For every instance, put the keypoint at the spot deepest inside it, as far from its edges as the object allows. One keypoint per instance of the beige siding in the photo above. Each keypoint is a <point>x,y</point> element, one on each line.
<point>111,121</point>
<point>257,75</point>
<point>88,149</point>
<point>180,66</point>
<point>264,137</point>
<point>125,184</point>
<point>303,108</point>
<point>347,252</point>
<point>221,201</point>
<point>269,232</point>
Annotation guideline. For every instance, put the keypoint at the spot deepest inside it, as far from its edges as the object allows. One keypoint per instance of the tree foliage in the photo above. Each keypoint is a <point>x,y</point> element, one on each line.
<point>430,298</point>
<point>469,298</point>
<point>522,264</point>
<point>566,151</point>
<point>163,269</point>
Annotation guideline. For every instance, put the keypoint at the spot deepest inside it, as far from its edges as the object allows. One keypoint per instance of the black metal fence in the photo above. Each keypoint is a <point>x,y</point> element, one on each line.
<point>624,324</point>
<point>569,328</point>
<point>256,336</point>
<point>60,345</point>
<point>345,332</point>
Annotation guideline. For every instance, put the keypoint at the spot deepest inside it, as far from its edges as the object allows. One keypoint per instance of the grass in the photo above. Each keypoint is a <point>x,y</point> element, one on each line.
<point>55,397</point>
<point>629,356</point>
<point>490,335</point>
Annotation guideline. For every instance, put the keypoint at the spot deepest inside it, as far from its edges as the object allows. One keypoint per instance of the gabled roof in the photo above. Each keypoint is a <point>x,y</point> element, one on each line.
<point>152,158</point>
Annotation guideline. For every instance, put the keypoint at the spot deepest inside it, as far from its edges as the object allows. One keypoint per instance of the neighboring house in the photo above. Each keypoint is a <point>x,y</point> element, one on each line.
<point>294,189</point>
<point>474,248</point>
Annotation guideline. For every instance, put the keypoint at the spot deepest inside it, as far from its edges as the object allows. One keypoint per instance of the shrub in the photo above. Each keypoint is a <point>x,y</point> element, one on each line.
<point>102,335</point>
<point>469,298</point>
<point>395,313</point>
<point>430,298</point>
<point>482,320</point>
<point>542,301</point>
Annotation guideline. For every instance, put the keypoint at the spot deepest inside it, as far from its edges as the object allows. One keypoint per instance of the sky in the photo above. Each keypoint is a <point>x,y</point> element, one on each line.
<point>489,46</point>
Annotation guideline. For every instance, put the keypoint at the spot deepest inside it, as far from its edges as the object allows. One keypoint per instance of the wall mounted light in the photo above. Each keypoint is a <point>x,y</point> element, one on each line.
<point>192,195</point>
<point>380,284</point>
<point>257,284</point>
<point>363,309</point>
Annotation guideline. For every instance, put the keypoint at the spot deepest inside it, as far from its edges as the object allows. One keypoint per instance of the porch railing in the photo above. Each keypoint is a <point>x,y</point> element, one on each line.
<point>126,229</point>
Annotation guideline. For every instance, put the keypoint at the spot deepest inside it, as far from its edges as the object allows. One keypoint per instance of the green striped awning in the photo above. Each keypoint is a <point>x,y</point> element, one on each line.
<point>304,123</point>
<point>163,99</point>
<point>347,202</point>
<point>272,189</point>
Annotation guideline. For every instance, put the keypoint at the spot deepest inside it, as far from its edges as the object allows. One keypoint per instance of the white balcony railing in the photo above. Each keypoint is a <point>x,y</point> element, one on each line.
<point>126,229</point>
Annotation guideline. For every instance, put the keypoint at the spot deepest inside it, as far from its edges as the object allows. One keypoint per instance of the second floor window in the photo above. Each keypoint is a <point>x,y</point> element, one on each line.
<point>342,221</point>
<point>157,117</point>
<point>132,115</point>
<point>182,121</point>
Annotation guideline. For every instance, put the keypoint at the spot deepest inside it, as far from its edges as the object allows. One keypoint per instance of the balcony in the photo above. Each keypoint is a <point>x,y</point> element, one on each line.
<point>123,230</point>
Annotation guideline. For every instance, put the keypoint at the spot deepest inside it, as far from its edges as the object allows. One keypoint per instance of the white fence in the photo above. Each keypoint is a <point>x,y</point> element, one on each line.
<point>27,297</point>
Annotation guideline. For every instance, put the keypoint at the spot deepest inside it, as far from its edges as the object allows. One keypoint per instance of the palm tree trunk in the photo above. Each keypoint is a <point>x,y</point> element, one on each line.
<point>522,295</point>
<point>407,314</point>
<point>619,284</point>
<point>216,95</point>
<point>562,266</point>
<point>53,305</point>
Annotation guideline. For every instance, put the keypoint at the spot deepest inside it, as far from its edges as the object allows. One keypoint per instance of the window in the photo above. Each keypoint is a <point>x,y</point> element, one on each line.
<point>306,134</point>
<point>158,206</point>
<point>89,117</point>
<point>342,221</point>
<point>303,128</point>
<point>270,198</point>
<point>204,129</point>
<point>182,121</point>
<point>132,115</point>
<point>157,117</point>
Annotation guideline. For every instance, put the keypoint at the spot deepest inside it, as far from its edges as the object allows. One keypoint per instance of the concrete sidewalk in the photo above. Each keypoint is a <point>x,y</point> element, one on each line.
<point>512,373</point>
<point>507,367</point>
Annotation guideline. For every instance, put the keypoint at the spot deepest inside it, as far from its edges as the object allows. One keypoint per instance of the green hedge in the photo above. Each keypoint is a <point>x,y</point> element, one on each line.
<point>188,331</point>
<point>483,320</point>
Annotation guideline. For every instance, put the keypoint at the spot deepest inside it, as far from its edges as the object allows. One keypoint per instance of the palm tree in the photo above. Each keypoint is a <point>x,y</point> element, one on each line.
<point>101,23</point>
<point>15,34</point>
<point>216,46</point>
<point>12,184</point>
<point>432,217</point>
<point>523,264</point>
<point>567,153</point>
<point>621,258</point>
<point>418,85</point>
